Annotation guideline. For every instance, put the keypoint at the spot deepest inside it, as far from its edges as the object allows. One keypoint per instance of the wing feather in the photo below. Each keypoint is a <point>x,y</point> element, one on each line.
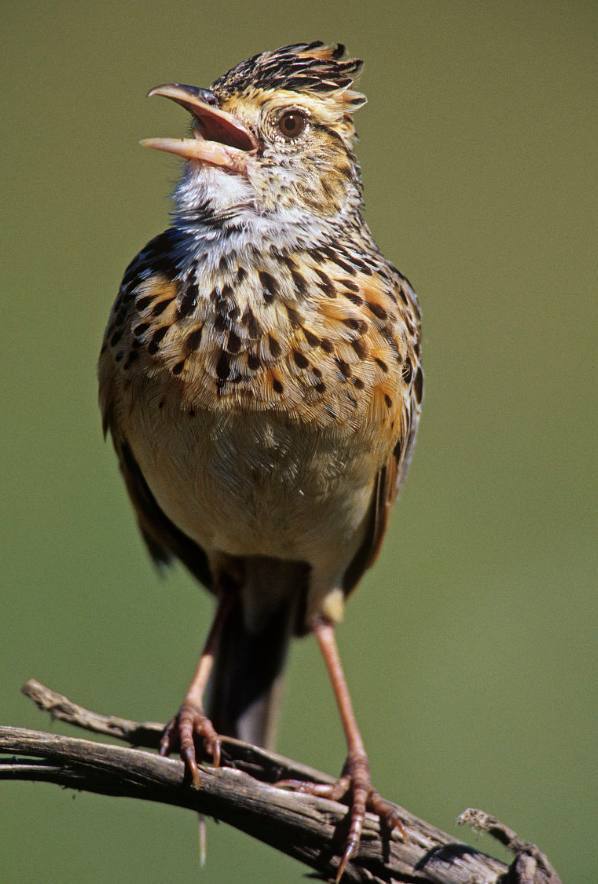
<point>164,540</point>
<point>393,473</point>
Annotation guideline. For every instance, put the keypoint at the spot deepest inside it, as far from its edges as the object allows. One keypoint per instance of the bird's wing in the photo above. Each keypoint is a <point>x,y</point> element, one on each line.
<point>407,410</point>
<point>162,537</point>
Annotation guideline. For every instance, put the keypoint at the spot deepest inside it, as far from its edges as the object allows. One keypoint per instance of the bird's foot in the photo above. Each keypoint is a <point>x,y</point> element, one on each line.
<point>190,726</point>
<point>353,787</point>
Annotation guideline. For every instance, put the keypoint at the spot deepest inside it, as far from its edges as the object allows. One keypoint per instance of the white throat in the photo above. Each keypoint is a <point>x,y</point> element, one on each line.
<point>219,211</point>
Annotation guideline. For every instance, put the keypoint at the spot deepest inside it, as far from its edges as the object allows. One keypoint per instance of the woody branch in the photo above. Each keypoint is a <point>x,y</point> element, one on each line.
<point>241,794</point>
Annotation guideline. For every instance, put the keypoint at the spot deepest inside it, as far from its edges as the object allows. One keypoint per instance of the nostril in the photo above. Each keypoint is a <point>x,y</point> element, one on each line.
<point>204,94</point>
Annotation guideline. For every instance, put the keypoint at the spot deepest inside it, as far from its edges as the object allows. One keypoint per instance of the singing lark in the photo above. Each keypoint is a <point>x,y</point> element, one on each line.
<point>261,380</point>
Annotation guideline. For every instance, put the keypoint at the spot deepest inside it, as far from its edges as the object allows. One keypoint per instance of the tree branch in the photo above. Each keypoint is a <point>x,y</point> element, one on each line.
<point>241,793</point>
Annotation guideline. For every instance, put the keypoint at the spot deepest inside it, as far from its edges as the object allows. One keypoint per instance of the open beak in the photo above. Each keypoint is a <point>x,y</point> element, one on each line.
<point>218,137</point>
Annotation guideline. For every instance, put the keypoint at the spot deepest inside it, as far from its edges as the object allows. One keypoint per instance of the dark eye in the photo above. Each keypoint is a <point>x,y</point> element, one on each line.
<point>292,123</point>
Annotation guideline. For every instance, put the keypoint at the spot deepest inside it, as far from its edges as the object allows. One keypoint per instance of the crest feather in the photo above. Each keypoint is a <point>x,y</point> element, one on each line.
<point>313,68</point>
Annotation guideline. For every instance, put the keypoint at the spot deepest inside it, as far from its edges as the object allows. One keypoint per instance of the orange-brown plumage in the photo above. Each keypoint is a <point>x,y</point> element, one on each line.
<point>261,378</point>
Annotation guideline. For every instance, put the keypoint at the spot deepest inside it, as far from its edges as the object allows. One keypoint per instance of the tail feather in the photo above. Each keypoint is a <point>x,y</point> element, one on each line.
<point>245,689</point>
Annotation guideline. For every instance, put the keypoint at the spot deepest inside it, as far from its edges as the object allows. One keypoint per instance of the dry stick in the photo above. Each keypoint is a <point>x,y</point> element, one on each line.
<point>307,828</point>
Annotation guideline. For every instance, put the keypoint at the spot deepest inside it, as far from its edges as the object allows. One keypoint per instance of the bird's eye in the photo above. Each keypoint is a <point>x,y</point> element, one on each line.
<point>292,123</point>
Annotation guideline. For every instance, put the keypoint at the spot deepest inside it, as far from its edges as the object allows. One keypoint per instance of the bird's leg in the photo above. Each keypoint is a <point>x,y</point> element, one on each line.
<point>354,783</point>
<point>191,721</point>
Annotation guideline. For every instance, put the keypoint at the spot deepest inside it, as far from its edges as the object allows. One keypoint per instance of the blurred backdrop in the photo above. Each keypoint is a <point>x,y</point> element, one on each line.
<point>470,647</point>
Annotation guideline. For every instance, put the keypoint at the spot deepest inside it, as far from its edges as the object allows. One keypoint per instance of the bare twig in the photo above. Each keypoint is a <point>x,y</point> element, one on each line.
<point>307,828</point>
<point>530,866</point>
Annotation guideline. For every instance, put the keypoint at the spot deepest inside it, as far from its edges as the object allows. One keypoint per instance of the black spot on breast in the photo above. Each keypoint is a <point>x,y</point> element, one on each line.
<point>251,322</point>
<point>327,345</point>
<point>115,338</point>
<point>407,370</point>
<point>188,300</point>
<point>141,328</point>
<point>387,400</point>
<point>294,316</point>
<point>142,303</point>
<point>362,265</point>
<point>233,343</point>
<point>312,340</point>
<point>178,367</point>
<point>274,346</point>
<point>330,253</point>
<point>278,387</point>
<point>325,284</point>
<point>321,387</point>
<point>358,325</point>
<point>349,284</point>
<point>300,359</point>
<point>193,340</point>
<point>270,285</point>
<point>382,364</point>
<point>377,310</point>
<point>156,339</point>
<point>344,368</point>
<point>358,383</point>
<point>418,384</point>
<point>119,355</point>
<point>223,366</point>
<point>299,282</point>
<point>241,274</point>
<point>359,348</point>
<point>355,299</point>
<point>161,306</point>
<point>253,361</point>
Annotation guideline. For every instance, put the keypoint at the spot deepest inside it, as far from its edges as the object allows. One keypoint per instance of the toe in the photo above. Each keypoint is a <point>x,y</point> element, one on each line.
<point>387,812</point>
<point>167,739</point>
<point>184,731</point>
<point>188,756</point>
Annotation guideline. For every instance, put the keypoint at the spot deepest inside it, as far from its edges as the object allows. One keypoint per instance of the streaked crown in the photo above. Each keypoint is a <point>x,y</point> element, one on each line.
<point>312,70</point>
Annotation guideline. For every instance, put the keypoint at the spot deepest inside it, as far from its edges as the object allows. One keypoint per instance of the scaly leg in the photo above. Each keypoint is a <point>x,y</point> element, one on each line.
<point>355,780</point>
<point>191,721</point>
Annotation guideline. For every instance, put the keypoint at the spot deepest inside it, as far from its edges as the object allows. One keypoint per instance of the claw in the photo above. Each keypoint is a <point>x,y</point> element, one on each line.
<point>183,730</point>
<point>349,851</point>
<point>216,751</point>
<point>354,786</point>
<point>188,756</point>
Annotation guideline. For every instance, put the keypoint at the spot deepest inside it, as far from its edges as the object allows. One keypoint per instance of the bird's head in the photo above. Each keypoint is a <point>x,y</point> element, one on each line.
<point>272,138</point>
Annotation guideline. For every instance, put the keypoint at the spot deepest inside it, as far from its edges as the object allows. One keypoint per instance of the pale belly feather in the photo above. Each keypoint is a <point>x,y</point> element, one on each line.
<point>257,484</point>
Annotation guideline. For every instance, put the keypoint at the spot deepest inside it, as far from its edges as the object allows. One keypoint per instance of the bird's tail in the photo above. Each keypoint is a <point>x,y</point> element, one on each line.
<point>245,689</point>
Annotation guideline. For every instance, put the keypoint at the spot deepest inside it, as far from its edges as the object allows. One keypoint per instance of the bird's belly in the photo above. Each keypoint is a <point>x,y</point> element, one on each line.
<point>256,483</point>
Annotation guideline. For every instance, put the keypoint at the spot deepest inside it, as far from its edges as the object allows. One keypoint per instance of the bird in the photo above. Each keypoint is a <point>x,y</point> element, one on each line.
<point>261,380</point>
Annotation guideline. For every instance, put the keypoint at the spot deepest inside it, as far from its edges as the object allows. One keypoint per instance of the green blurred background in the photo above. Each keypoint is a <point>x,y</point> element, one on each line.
<point>471,646</point>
